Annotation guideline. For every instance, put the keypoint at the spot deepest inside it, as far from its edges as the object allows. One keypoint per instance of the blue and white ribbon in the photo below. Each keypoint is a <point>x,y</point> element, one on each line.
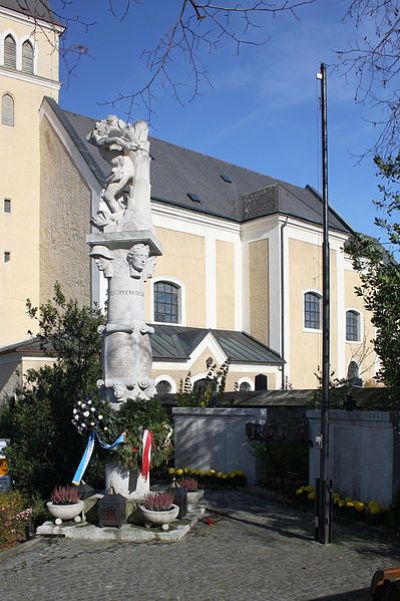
<point>87,454</point>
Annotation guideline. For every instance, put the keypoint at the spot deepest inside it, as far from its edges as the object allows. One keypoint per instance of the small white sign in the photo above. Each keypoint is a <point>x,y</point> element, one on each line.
<point>3,444</point>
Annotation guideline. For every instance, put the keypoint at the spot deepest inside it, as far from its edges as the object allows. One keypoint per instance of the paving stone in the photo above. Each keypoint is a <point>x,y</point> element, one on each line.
<point>256,549</point>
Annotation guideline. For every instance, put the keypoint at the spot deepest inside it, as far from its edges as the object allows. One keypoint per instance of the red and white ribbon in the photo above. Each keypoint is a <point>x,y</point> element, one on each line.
<point>146,454</point>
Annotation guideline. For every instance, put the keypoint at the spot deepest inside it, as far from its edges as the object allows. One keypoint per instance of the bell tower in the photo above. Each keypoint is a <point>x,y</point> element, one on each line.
<point>29,70</point>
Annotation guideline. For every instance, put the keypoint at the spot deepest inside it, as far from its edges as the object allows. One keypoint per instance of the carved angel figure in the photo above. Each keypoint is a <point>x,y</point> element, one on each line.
<point>127,188</point>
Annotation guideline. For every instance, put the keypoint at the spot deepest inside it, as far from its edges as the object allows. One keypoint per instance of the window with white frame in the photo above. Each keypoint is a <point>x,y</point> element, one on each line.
<point>7,110</point>
<point>312,310</point>
<point>10,52</point>
<point>27,57</point>
<point>163,387</point>
<point>353,322</point>
<point>167,301</point>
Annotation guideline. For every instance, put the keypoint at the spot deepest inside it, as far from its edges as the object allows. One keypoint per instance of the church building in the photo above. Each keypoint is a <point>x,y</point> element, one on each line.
<point>241,274</point>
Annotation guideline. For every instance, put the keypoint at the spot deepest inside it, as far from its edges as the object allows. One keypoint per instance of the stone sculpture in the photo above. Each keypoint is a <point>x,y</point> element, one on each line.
<point>125,250</point>
<point>126,197</point>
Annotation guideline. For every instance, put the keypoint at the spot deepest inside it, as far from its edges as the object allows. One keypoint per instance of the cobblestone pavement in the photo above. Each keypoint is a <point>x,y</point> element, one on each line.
<point>263,551</point>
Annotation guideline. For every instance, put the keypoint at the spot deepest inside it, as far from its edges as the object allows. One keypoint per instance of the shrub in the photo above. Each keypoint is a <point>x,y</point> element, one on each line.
<point>161,501</point>
<point>189,484</point>
<point>13,518</point>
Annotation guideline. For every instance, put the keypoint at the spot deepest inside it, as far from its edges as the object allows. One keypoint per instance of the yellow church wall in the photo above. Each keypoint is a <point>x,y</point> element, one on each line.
<point>259,290</point>
<point>305,274</point>
<point>19,182</point>
<point>363,352</point>
<point>225,266</point>
<point>20,174</point>
<point>62,230</point>
<point>184,259</point>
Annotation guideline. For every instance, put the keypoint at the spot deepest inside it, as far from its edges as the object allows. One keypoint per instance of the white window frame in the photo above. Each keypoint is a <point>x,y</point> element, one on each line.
<point>247,381</point>
<point>27,38</point>
<point>361,324</point>
<point>7,93</point>
<point>3,36</point>
<point>313,291</point>
<point>168,379</point>
<point>181,299</point>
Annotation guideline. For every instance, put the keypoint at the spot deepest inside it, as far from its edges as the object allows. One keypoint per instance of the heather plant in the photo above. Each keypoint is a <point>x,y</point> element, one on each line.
<point>14,516</point>
<point>189,484</point>
<point>161,501</point>
<point>64,495</point>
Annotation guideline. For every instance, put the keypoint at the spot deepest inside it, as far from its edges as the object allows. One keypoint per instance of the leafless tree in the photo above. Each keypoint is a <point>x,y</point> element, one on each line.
<point>195,28</point>
<point>375,62</point>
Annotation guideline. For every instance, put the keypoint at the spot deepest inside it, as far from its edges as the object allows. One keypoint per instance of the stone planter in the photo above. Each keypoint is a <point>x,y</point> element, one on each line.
<point>63,513</point>
<point>128,483</point>
<point>160,518</point>
<point>194,498</point>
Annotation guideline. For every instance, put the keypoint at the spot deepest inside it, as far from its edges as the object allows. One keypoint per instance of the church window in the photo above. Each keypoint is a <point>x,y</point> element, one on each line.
<point>166,302</point>
<point>245,387</point>
<point>7,256</point>
<point>312,310</point>
<point>7,110</point>
<point>27,57</point>
<point>352,326</point>
<point>163,387</point>
<point>7,205</point>
<point>10,54</point>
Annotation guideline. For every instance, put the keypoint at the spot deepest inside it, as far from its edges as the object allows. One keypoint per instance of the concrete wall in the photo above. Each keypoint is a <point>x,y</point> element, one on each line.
<point>361,454</point>
<point>216,439</point>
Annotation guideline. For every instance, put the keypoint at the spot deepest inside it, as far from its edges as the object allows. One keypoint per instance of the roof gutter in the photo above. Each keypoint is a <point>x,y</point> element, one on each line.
<point>283,323</point>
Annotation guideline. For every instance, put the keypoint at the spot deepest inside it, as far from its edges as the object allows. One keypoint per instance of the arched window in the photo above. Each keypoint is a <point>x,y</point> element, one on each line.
<point>261,382</point>
<point>312,310</point>
<point>27,57</point>
<point>7,110</point>
<point>163,387</point>
<point>167,302</point>
<point>353,371</point>
<point>353,326</point>
<point>245,387</point>
<point>10,54</point>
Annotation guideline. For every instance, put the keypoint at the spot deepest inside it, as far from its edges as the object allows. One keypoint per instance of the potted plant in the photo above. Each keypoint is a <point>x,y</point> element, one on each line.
<point>65,504</point>
<point>159,509</point>
<point>194,493</point>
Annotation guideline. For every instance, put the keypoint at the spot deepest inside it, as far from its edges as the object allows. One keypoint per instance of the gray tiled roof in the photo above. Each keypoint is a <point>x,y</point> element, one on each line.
<point>174,343</point>
<point>177,171</point>
<point>177,343</point>
<point>34,8</point>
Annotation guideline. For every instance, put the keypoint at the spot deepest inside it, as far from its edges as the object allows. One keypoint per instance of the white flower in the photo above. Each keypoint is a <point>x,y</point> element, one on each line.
<point>89,402</point>
<point>79,403</point>
<point>92,409</point>
<point>100,417</point>
<point>83,405</point>
<point>83,425</point>
<point>92,423</point>
<point>86,414</point>
<point>105,428</point>
<point>75,411</point>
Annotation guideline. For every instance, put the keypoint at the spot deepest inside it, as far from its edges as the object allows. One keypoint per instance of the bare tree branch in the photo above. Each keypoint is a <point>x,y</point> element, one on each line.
<point>375,62</point>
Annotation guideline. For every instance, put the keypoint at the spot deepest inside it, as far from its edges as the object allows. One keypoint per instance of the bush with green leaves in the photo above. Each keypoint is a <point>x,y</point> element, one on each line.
<point>45,448</point>
<point>210,394</point>
<point>379,270</point>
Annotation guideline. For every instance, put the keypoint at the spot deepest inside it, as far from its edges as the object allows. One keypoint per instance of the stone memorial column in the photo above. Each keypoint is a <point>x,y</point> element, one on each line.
<point>125,248</point>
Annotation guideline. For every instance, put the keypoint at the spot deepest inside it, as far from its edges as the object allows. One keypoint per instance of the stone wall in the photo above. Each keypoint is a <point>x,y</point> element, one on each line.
<point>362,462</point>
<point>216,439</point>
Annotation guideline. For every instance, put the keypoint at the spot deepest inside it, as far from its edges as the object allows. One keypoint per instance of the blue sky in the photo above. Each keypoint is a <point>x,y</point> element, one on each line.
<point>262,109</point>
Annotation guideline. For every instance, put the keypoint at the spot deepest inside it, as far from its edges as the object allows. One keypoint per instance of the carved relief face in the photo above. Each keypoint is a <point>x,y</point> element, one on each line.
<point>137,257</point>
<point>119,391</point>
